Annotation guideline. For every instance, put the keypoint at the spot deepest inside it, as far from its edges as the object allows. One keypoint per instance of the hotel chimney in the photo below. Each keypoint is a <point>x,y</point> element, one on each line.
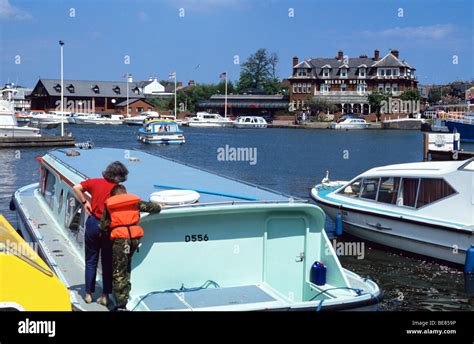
<point>340,55</point>
<point>376,55</point>
<point>295,60</point>
<point>395,53</point>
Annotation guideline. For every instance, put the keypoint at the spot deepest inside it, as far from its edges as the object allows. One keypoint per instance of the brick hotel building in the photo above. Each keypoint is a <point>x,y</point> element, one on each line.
<point>347,81</point>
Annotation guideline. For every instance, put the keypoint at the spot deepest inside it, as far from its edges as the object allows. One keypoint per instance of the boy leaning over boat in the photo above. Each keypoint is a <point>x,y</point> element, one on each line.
<point>120,221</point>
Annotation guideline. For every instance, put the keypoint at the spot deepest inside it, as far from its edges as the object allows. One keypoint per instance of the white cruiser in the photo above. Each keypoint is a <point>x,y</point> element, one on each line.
<point>250,122</point>
<point>425,208</point>
<point>209,120</point>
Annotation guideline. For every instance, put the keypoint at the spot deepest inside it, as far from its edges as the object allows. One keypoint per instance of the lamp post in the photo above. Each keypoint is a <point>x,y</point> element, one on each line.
<point>61,44</point>
<point>129,76</point>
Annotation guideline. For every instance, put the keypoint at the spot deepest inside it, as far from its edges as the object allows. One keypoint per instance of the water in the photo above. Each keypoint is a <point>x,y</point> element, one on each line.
<point>290,161</point>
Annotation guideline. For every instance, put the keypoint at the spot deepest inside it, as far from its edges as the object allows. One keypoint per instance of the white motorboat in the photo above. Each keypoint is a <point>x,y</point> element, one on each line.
<point>140,119</point>
<point>250,122</point>
<point>209,120</point>
<point>112,119</point>
<point>349,122</point>
<point>425,208</point>
<point>158,131</point>
<point>72,119</point>
<point>50,117</point>
<point>9,126</point>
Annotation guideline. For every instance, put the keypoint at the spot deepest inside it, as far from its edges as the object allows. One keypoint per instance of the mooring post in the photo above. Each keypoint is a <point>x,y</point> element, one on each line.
<point>425,146</point>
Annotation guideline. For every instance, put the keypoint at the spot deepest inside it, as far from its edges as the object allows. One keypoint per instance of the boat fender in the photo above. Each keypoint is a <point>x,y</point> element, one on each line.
<point>339,224</point>
<point>175,197</point>
<point>12,205</point>
<point>469,264</point>
<point>318,274</point>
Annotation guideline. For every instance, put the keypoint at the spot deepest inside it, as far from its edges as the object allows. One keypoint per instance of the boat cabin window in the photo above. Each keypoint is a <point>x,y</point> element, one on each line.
<point>48,186</point>
<point>74,218</point>
<point>388,190</point>
<point>60,201</point>
<point>408,192</point>
<point>369,188</point>
<point>432,190</point>
<point>352,189</point>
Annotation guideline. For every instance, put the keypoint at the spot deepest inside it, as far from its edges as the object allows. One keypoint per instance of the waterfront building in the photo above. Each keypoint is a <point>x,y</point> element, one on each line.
<point>93,96</point>
<point>347,81</point>
<point>246,104</point>
<point>19,96</point>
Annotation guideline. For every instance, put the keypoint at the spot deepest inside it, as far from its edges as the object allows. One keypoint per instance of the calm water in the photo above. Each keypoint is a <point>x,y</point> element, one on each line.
<point>290,161</point>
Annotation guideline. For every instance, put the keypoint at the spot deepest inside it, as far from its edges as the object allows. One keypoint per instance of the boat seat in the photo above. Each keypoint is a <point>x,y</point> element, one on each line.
<point>230,297</point>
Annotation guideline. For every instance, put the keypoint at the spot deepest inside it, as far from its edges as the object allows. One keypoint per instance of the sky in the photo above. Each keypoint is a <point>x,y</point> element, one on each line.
<point>199,39</point>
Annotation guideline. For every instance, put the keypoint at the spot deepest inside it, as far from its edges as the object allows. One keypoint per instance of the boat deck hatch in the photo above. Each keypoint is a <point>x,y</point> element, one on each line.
<point>204,298</point>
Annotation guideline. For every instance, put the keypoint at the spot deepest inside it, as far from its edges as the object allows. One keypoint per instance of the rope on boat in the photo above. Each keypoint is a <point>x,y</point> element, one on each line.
<point>183,289</point>
<point>358,291</point>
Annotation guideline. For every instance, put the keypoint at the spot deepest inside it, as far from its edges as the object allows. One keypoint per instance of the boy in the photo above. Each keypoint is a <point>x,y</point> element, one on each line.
<point>120,219</point>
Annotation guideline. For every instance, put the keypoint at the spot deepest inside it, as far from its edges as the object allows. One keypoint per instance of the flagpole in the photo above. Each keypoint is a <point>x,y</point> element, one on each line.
<point>127,96</point>
<point>225,98</point>
<point>175,104</point>
<point>61,43</point>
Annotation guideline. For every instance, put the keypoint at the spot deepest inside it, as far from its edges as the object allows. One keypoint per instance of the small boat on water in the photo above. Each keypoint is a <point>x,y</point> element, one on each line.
<point>424,208</point>
<point>250,122</point>
<point>27,282</point>
<point>235,247</point>
<point>49,117</point>
<point>347,122</point>
<point>9,126</point>
<point>157,131</point>
<point>101,120</point>
<point>464,125</point>
<point>80,115</point>
<point>209,120</point>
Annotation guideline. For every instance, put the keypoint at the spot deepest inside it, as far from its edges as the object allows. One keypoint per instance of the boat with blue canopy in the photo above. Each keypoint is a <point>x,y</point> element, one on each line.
<point>229,246</point>
<point>161,131</point>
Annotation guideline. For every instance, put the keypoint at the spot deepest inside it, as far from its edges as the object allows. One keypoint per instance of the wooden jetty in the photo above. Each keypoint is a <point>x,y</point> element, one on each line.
<point>40,141</point>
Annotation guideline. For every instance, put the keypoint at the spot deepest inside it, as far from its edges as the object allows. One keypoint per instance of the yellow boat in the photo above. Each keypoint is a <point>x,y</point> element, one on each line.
<point>26,281</point>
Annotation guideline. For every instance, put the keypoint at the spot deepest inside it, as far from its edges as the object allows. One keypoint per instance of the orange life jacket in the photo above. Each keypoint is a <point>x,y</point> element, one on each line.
<point>124,216</point>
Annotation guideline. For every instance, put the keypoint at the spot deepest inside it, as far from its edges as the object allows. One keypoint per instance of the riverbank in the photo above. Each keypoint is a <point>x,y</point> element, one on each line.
<point>311,125</point>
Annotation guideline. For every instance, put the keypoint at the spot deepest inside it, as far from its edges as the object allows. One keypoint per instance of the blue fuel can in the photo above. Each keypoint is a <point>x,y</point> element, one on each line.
<point>318,274</point>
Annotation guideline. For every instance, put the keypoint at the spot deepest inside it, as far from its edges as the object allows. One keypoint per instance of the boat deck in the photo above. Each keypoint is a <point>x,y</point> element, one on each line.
<point>246,297</point>
<point>67,265</point>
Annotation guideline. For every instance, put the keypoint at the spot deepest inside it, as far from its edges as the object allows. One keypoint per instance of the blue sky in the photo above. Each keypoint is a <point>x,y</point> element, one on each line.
<point>204,42</point>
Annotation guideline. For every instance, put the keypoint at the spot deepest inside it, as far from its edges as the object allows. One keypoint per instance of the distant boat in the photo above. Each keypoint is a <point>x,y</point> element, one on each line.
<point>100,120</point>
<point>237,247</point>
<point>347,122</point>
<point>161,132</point>
<point>250,122</point>
<point>209,120</point>
<point>139,120</point>
<point>50,117</point>
<point>9,126</point>
<point>424,208</point>
<point>78,115</point>
<point>464,124</point>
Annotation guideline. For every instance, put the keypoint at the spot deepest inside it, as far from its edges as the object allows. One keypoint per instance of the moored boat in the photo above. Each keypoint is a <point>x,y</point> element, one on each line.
<point>28,284</point>
<point>209,120</point>
<point>161,132</point>
<point>240,247</point>
<point>9,126</point>
<point>101,120</point>
<point>423,208</point>
<point>463,124</point>
<point>254,122</point>
<point>347,122</point>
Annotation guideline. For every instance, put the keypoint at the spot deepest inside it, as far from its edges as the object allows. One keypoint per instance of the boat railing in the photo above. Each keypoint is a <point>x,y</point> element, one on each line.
<point>208,204</point>
<point>460,118</point>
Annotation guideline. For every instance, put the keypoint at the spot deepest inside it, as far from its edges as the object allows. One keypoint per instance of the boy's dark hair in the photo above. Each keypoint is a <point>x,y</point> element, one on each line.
<point>116,172</point>
<point>118,190</point>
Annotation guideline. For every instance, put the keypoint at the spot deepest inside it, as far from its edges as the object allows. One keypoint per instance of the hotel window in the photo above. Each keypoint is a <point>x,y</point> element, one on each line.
<point>387,88</point>
<point>299,88</point>
<point>301,72</point>
<point>326,73</point>
<point>139,109</point>
<point>343,72</point>
<point>343,87</point>
<point>304,88</point>
<point>324,88</point>
<point>381,87</point>
<point>362,72</point>
<point>432,190</point>
<point>388,72</point>
<point>361,88</point>
<point>308,88</point>
<point>294,88</point>
<point>381,72</point>
<point>396,72</point>
<point>395,88</point>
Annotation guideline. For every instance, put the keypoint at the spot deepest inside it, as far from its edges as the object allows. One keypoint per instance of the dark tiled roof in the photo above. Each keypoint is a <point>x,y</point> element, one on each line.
<point>85,88</point>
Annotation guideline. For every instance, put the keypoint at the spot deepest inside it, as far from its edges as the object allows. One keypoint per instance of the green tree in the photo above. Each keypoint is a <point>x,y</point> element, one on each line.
<point>260,72</point>
<point>319,105</point>
<point>377,99</point>
<point>411,94</point>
